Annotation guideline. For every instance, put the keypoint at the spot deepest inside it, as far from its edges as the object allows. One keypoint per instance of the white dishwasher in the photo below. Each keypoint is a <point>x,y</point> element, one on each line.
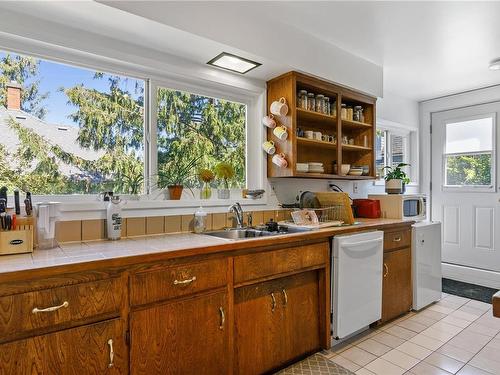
<point>356,281</point>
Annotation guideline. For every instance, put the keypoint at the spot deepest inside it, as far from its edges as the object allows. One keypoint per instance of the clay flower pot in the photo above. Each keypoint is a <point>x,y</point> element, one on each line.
<point>175,192</point>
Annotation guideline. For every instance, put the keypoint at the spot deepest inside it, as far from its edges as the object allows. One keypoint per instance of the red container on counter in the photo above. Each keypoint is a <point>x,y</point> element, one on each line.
<point>368,208</point>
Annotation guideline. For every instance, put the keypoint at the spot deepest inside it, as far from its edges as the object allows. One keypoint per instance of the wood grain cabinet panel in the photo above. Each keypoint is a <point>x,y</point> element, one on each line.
<point>397,297</point>
<point>276,322</point>
<point>265,264</point>
<point>162,283</point>
<point>184,337</point>
<point>397,239</point>
<point>77,351</point>
<point>66,305</point>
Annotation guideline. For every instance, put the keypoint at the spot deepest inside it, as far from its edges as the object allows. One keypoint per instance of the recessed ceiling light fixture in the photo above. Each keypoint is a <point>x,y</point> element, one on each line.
<point>495,64</point>
<point>233,63</point>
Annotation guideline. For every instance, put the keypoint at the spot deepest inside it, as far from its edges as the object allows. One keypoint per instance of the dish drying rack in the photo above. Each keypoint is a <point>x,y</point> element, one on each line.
<point>327,217</point>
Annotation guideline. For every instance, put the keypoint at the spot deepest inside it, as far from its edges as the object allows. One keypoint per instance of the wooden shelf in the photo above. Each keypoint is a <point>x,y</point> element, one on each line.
<point>348,124</point>
<point>355,148</point>
<point>332,176</point>
<point>316,143</point>
<point>314,118</point>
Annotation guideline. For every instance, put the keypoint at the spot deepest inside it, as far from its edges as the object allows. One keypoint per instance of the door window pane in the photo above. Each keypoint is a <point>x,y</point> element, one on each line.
<point>469,136</point>
<point>196,131</point>
<point>469,170</point>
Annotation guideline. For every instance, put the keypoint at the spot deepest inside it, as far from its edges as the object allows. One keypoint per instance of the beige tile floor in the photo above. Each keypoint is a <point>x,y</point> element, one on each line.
<point>453,336</point>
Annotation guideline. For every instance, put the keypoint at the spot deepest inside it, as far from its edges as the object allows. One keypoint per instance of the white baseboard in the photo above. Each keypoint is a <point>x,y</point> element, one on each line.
<point>476,276</point>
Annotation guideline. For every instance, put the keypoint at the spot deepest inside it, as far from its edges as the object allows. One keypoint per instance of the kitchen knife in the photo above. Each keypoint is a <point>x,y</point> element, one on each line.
<point>16,202</point>
<point>28,204</point>
<point>3,194</point>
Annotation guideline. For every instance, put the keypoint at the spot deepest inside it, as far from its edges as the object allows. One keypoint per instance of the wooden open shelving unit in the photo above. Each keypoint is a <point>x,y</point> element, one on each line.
<point>302,150</point>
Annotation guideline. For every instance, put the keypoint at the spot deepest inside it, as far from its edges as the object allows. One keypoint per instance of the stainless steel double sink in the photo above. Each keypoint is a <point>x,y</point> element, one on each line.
<point>245,233</point>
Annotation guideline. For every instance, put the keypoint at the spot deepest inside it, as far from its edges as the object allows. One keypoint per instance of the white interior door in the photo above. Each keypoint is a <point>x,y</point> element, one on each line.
<point>464,189</point>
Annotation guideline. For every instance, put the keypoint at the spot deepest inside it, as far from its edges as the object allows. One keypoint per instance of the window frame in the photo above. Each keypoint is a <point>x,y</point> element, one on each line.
<point>471,188</point>
<point>392,129</point>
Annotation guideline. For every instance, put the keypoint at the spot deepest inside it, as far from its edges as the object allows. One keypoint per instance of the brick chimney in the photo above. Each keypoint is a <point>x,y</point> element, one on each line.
<point>14,95</point>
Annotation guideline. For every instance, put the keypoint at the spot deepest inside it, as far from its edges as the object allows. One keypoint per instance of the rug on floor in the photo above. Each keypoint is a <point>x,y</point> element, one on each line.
<point>315,365</point>
<point>472,291</point>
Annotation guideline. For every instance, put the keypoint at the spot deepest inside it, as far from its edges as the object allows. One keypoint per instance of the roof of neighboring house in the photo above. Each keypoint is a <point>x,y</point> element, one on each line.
<point>61,135</point>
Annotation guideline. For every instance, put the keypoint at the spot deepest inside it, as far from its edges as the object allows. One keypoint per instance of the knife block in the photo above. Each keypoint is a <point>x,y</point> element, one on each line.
<point>18,240</point>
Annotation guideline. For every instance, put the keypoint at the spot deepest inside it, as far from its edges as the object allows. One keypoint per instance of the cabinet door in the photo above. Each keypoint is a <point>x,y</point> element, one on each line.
<point>300,301</point>
<point>182,337</point>
<point>93,349</point>
<point>396,288</point>
<point>259,327</point>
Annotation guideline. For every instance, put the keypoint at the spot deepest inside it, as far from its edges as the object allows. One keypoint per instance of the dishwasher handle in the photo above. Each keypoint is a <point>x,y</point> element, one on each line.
<point>359,243</point>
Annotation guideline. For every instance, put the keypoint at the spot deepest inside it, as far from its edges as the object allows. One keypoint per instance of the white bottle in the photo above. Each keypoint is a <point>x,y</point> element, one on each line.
<point>200,220</point>
<point>114,218</point>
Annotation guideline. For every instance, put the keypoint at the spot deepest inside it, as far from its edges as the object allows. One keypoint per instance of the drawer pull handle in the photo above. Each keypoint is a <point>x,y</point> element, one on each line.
<point>386,270</point>
<point>184,282</point>
<point>273,302</point>
<point>222,317</point>
<point>285,296</point>
<point>397,239</point>
<point>111,353</point>
<point>36,310</point>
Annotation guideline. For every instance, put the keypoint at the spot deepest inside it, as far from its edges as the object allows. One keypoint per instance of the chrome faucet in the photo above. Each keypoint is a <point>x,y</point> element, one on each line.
<point>236,208</point>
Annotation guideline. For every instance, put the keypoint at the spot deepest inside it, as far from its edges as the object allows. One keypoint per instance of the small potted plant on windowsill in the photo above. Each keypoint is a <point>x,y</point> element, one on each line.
<point>396,179</point>
<point>174,174</point>
<point>224,172</point>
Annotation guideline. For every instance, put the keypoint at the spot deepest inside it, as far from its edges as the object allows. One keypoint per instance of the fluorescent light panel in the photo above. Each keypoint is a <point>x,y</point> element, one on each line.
<point>233,63</point>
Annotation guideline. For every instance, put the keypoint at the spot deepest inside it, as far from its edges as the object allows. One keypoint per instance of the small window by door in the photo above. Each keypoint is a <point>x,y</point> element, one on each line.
<point>469,154</point>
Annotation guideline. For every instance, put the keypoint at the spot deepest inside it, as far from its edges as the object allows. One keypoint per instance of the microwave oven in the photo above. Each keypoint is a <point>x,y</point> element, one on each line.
<point>402,206</point>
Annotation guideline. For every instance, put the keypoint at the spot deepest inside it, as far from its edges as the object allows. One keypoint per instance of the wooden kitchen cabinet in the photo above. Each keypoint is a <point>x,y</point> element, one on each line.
<point>188,336</point>
<point>397,297</point>
<point>276,322</point>
<point>92,349</point>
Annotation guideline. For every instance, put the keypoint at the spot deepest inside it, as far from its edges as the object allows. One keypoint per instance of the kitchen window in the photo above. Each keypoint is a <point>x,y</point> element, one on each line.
<point>68,130</point>
<point>201,129</point>
<point>469,153</point>
<point>392,148</point>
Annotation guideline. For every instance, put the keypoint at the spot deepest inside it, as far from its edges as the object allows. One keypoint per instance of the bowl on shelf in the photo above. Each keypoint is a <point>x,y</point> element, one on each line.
<point>316,167</point>
<point>344,169</point>
<point>366,170</point>
<point>302,167</point>
<point>356,171</point>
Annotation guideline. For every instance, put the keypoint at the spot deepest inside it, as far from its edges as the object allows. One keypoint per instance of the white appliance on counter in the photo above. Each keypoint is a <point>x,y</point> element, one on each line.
<point>356,281</point>
<point>402,206</point>
<point>426,263</point>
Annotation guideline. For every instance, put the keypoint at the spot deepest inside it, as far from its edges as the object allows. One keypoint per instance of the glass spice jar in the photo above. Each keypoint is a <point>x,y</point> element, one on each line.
<point>356,116</point>
<point>326,106</point>
<point>302,99</point>
<point>349,113</point>
<point>311,102</point>
<point>320,101</point>
<point>333,109</point>
<point>343,111</point>
<point>361,115</point>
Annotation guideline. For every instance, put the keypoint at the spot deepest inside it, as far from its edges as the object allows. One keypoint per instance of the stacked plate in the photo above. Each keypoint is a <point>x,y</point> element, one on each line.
<point>316,167</point>
<point>356,171</point>
<point>302,167</point>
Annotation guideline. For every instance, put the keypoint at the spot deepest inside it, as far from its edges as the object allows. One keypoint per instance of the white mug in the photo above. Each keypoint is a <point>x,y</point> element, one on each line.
<point>269,147</point>
<point>269,121</point>
<point>280,161</point>
<point>309,134</point>
<point>279,107</point>
<point>280,132</point>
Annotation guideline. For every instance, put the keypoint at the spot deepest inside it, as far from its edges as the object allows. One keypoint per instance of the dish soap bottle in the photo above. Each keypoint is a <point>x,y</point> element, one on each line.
<point>200,220</point>
<point>114,218</point>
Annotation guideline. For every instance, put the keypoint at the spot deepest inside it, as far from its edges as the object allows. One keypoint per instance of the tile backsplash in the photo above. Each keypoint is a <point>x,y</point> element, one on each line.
<point>93,230</point>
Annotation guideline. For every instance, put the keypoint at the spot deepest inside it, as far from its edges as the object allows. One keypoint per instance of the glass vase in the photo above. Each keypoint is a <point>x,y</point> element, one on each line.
<point>206,191</point>
<point>223,193</point>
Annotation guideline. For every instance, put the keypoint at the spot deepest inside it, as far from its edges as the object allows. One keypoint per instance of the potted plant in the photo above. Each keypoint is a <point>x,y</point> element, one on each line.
<point>174,174</point>
<point>224,172</point>
<point>206,176</point>
<point>396,179</point>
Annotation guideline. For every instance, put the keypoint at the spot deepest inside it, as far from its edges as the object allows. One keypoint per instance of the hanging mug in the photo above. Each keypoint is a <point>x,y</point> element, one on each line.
<point>280,161</point>
<point>279,107</point>
<point>280,132</point>
<point>269,147</point>
<point>269,121</point>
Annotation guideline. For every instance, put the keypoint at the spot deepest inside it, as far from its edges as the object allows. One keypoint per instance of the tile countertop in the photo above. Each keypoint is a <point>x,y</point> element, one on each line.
<point>92,255</point>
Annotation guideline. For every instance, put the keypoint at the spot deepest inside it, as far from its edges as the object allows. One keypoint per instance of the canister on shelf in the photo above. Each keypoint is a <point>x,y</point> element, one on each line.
<point>326,106</point>
<point>343,111</point>
<point>333,109</point>
<point>311,102</point>
<point>349,113</point>
<point>320,101</point>
<point>356,116</point>
<point>302,99</point>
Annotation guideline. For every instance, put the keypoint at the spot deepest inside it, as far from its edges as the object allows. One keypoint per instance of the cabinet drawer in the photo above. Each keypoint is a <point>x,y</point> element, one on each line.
<point>26,312</point>
<point>268,263</point>
<point>170,282</point>
<point>397,239</point>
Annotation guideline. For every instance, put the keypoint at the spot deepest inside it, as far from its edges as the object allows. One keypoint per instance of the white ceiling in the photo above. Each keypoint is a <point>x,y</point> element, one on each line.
<point>427,49</point>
